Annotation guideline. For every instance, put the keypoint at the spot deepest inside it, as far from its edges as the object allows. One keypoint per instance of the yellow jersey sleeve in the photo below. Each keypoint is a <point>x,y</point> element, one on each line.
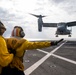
<point>5,57</point>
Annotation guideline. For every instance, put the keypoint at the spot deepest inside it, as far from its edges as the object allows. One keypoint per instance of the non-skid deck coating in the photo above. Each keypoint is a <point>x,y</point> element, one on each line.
<point>53,60</point>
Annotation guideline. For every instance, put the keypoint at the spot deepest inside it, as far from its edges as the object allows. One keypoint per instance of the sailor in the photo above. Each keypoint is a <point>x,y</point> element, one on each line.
<point>5,57</point>
<point>18,43</point>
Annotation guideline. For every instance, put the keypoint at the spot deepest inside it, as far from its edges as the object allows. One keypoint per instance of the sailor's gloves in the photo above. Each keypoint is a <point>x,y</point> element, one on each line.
<point>56,42</point>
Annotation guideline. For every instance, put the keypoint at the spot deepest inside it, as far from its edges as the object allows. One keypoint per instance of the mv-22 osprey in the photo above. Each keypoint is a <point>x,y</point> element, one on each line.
<point>61,27</point>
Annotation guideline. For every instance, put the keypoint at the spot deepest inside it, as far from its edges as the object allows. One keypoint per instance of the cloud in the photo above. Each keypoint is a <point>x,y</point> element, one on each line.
<point>57,1</point>
<point>15,12</point>
<point>67,5</point>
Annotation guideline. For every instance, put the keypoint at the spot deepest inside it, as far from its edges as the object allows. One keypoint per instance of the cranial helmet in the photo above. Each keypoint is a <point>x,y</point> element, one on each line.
<point>2,26</point>
<point>18,32</point>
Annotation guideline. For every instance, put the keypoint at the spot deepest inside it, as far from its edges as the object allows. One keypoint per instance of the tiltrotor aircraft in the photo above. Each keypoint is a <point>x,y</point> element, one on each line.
<point>61,27</point>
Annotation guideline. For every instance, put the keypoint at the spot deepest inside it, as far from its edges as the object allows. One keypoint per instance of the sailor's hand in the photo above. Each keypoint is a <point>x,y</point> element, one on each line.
<point>60,40</point>
<point>56,42</point>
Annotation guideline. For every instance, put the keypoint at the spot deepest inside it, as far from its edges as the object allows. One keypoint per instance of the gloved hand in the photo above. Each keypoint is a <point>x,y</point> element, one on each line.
<point>56,42</point>
<point>13,51</point>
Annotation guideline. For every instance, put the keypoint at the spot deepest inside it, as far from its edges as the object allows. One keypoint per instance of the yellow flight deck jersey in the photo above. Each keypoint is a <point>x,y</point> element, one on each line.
<point>21,45</point>
<point>5,57</point>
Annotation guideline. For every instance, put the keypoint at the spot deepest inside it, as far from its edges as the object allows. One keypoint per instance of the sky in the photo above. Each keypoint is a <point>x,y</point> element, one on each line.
<point>16,12</point>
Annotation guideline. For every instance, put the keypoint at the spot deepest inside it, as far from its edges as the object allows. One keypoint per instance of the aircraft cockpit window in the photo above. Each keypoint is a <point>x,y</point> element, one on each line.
<point>60,24</point>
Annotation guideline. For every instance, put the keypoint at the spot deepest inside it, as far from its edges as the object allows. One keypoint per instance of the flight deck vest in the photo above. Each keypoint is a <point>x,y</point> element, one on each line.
<point>13,43</point>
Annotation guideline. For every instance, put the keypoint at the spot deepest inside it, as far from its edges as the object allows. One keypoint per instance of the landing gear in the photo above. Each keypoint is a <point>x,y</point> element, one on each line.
<point>69,35</point>
<point>56,35</point>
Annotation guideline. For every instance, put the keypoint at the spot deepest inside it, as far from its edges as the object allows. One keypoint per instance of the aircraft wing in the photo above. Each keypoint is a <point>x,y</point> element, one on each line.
<point>69,24</point>
<point>49,24</point>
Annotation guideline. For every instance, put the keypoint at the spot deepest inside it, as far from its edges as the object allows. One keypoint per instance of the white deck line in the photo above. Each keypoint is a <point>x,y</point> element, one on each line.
<point>43,51</point>
<point>38,63</point>
<point>63,58</point>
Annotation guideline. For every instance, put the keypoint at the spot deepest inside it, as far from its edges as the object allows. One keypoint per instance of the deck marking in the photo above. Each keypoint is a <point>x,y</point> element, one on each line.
<point>43,51</point>
<point>38,63</point>
<point>63,58</point>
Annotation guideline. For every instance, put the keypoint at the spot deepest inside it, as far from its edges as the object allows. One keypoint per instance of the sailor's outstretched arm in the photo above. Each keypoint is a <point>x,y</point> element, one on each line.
<point>35,45</point>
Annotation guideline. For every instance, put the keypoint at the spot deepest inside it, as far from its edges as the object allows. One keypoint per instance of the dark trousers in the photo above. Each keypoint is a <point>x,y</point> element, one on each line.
<point>11,71</point>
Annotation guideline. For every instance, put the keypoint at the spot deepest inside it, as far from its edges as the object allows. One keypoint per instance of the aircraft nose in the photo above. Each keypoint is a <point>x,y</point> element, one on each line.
<point>61,28</point>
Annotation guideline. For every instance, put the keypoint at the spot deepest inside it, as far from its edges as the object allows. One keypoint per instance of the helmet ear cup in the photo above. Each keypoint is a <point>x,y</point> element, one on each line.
<point>20,31</point>
<point>22,34</point>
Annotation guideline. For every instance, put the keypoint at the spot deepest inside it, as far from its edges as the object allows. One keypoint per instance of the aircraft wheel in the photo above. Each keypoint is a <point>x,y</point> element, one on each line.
<point>69,35</point>
<point>56,35</point>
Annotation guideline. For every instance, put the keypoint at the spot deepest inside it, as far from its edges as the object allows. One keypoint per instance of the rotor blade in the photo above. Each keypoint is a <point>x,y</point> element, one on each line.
<point>37,15</point>
<point>49,24</point>
<point>69,24</point>
<point>34,15</point>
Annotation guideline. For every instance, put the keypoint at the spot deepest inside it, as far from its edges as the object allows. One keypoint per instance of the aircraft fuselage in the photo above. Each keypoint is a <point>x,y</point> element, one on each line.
<point>62,29</point>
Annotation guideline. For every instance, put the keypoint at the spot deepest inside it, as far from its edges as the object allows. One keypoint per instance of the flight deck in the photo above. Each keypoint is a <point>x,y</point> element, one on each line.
<point>53,60</point>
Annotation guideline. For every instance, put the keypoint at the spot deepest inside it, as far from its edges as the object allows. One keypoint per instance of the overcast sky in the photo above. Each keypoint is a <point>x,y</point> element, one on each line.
<point>16,12</point>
